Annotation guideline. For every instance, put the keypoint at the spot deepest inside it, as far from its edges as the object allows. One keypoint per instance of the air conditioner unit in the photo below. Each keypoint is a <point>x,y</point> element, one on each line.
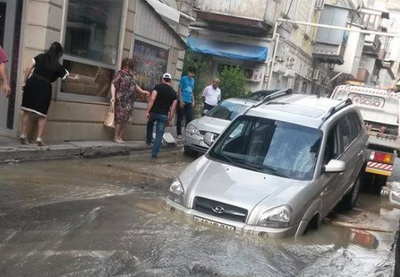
<point>252,74</point>
<point>315,75</point>
<point>319,5</point>
<point>326,80</point>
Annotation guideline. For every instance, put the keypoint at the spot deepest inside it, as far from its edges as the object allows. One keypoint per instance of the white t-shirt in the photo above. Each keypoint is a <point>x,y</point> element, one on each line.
<point>212,96</point>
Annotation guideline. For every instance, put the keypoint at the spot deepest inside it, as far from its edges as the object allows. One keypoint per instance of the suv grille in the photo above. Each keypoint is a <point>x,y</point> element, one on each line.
<point>219,209</point>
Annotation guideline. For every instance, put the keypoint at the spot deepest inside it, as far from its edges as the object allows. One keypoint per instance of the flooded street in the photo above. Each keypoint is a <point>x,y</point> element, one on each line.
<point>107,217</point>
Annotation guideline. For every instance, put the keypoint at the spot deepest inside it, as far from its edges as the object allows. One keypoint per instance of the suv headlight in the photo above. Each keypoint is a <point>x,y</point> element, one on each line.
<point>278,217</point>
<point>176,191</point>
<point>190,128</point>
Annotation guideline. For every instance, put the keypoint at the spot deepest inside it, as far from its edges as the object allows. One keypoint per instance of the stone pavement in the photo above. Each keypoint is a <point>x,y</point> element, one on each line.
<point>11,151</point>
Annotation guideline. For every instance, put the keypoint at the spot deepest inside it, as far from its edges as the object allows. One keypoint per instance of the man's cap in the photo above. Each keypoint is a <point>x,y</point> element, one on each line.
<point>167,76</point>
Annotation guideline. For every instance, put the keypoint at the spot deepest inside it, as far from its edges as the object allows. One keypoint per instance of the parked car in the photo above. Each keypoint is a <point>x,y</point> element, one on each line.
<point>278,169</point>
<point>216,120</point>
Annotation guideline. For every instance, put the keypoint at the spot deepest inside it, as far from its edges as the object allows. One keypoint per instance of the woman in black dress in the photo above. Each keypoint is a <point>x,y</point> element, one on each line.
<point>37,89</point>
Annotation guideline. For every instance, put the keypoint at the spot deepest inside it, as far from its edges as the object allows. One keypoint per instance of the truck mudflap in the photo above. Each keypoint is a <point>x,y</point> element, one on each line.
<point>379,168</point>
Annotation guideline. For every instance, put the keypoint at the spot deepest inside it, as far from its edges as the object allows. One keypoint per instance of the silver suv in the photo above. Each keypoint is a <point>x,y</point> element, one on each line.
<point>278,169</point>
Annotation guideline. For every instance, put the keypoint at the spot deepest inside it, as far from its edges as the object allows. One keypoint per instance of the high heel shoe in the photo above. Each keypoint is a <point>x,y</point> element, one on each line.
<point>23,140</point>
<point>40,142</point>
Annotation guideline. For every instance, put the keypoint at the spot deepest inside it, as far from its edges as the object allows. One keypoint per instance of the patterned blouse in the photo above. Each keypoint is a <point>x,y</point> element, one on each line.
<point>125,86</point>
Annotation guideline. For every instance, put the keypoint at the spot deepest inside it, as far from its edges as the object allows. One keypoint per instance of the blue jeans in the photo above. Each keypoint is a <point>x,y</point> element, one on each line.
<point>160,120</point>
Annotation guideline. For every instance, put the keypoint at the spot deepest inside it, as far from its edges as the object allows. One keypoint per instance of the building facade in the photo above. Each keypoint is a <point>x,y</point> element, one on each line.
<point>96,36</point>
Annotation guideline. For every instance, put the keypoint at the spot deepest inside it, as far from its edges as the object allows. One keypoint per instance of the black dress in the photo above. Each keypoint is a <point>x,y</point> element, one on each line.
<point>37,91</point>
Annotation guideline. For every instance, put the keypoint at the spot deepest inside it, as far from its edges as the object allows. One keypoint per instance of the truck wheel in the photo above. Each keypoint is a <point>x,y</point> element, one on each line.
<point>350,199</point>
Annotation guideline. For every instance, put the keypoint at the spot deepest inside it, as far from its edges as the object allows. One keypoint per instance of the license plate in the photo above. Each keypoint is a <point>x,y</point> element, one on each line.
<point>214,223</point>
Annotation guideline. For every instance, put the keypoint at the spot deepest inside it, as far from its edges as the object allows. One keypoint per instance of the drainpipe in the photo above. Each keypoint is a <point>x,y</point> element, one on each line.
<point>272,63</point>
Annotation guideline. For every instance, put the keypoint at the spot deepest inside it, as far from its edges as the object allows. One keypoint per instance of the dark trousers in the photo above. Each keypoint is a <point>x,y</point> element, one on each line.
<point>187,113</point>
<point>206,108</point>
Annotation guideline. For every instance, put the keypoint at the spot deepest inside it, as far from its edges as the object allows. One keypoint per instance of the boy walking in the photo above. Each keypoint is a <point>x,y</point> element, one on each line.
<point>186,100</point>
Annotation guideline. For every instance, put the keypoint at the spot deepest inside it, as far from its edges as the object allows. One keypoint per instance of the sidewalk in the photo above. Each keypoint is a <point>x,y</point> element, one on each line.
<point>11,151</point>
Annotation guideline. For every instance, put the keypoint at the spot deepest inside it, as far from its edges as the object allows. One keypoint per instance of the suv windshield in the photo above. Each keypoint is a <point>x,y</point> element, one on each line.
<point>227,110</point>
<point>269,146</point>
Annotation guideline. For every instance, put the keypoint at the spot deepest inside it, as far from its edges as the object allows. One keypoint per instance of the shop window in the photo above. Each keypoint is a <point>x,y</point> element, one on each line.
<point>150,64</point>
<point>93,80</point>
<point>93,28</point>
<point>92,39</point>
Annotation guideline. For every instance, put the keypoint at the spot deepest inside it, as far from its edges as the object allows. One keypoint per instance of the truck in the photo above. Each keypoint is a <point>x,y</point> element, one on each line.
<point>380,111</point>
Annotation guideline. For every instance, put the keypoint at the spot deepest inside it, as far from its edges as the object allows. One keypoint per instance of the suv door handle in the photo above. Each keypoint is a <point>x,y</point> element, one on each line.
<point>361,152</point>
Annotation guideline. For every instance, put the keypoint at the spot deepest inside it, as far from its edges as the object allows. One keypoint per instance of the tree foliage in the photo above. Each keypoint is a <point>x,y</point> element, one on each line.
<point>233,82</point>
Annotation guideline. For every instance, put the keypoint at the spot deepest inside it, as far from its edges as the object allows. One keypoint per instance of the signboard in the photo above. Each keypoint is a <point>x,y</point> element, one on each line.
<point>367,100</point>
<point>150,64</point>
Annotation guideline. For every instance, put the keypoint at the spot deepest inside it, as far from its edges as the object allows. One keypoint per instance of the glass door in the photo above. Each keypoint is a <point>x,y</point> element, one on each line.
<point>10,30</point>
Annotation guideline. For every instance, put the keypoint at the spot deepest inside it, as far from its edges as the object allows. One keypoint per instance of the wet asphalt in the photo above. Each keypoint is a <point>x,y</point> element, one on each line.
<point>107,217</point>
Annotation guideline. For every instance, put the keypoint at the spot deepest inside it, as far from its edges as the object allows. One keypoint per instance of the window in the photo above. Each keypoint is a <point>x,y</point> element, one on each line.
<point>349,129</point>
<point>91,45</point>
<point>93,28</point>
<point>332,148</point>
<point>270,146</point>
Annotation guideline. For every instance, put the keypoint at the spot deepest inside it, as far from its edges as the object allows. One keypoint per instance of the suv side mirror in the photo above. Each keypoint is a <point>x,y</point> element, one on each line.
<point>209,138</point>
<point>335,166</point>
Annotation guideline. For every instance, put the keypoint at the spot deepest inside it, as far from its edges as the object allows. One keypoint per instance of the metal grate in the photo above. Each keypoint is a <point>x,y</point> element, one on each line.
<point>219,209</point>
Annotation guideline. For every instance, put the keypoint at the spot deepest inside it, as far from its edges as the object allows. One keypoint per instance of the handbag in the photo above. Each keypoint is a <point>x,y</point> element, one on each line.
<point>109,121</point>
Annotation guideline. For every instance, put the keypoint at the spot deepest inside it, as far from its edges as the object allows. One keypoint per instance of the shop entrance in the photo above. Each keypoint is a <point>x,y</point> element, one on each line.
<point>10,30</point>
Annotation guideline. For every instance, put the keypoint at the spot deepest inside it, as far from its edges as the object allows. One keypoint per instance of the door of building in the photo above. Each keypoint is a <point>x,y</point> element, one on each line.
<point>10,29</point>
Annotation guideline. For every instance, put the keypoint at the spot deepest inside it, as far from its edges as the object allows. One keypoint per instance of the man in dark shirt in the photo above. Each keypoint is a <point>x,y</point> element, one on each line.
<point>160,110</point>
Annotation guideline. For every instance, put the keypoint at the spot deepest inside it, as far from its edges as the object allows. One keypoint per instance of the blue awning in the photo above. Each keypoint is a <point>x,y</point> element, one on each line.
<point>230,50</point>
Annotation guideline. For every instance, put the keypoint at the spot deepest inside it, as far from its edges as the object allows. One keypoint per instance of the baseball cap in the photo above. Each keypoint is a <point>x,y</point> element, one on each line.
<point>167,76</point>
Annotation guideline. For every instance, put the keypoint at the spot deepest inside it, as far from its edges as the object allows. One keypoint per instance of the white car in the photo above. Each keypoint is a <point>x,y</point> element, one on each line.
<point>214,122</point>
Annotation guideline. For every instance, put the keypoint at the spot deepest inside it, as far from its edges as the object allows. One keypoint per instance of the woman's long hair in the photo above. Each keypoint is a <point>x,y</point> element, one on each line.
<point>53,55</point>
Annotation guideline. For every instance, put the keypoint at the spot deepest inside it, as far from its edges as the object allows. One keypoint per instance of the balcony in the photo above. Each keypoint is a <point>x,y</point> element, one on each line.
<point>372,46</point>
<point>362,75</point>
<point>329,53</point>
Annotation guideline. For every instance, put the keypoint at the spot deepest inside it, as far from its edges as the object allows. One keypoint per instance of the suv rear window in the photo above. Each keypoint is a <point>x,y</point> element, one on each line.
<point>270,146</point>
<point>227,110</point>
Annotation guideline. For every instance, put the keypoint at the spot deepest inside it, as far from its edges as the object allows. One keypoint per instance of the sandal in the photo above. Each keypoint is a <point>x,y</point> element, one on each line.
<point>23,140</point>
<point>40,142</point>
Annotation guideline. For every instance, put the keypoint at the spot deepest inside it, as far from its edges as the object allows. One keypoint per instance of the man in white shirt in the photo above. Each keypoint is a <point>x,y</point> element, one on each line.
<point>211,96</point>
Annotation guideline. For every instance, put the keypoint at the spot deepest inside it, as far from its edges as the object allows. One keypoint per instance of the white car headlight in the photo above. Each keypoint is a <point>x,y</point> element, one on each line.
<point>278,217</point>
<point>190,128</point>
<point>176,191</point>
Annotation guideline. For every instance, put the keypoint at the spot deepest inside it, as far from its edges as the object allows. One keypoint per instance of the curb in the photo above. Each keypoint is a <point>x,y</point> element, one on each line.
<point>76,149</point>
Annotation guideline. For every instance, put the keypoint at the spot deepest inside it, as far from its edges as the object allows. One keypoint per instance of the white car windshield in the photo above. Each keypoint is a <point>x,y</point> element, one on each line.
<point>270,146</point>
<point>227,110</point>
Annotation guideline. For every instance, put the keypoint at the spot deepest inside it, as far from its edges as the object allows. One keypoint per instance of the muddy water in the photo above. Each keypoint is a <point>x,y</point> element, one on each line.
<point>106,217</point>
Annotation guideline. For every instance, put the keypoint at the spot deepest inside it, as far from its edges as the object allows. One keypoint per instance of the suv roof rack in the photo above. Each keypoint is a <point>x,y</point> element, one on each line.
<point>260,94</point>
<point>336,108</point>
<point>274,95</point>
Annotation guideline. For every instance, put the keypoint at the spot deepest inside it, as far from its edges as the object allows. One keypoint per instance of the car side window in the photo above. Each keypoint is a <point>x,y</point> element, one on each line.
<point>349,129</point>
<point>355,125</point>
<point>345,131</point>
<point>332,147</point>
